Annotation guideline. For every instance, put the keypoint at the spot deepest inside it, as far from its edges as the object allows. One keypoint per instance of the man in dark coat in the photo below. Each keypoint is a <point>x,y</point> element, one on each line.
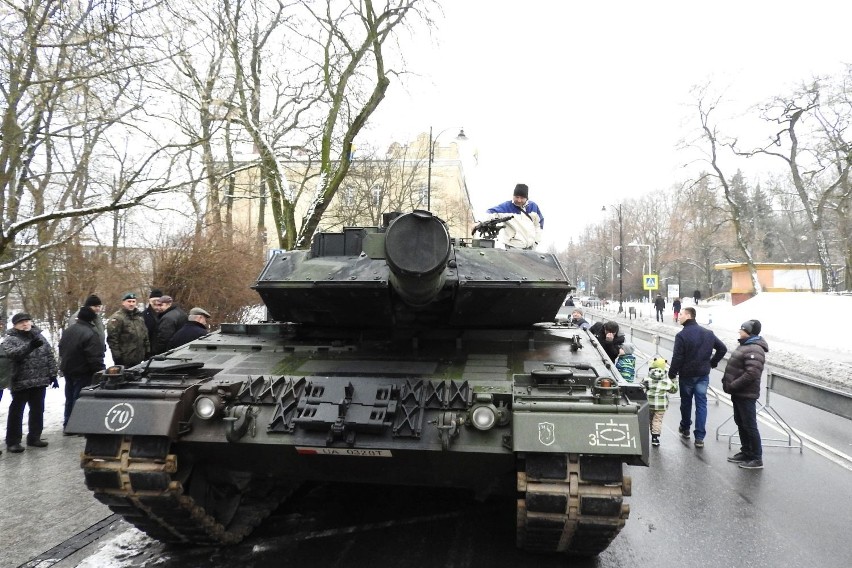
<point>33,369</point>
<point>696,350</point>
<point>94,303</point>
<point>609,337</point>
<point>81,355</point>
<point>171,320</point>
<point>742,382</point>
<point>660,306</point>
<point>193,329</point>
<point>152,313</point>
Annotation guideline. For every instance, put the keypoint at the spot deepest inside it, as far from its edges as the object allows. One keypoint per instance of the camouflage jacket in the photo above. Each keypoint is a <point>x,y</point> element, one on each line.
<point>127,337</point>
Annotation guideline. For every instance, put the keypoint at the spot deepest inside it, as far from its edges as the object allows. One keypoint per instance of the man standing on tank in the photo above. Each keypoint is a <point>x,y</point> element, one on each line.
<point>524,229</point>
<point>127,335</point>
<point>696,351</point>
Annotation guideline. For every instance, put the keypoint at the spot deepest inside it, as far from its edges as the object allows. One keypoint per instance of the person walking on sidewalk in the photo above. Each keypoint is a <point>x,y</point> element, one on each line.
<point>696,351</point>
<point>660,307</point>
<point>33,369</point>
<point>676,308</point>
<point>742,382</point>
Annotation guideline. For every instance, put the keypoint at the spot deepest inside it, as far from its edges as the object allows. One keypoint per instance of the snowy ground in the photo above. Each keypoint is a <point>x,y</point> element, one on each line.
<point>805,331</point>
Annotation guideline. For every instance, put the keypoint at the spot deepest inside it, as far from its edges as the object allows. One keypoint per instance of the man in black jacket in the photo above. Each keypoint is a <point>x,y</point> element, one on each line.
<point>692,358</point>
<point>81,355</point>
<point>193,329</point>
<point>609,337</point>
<point>171,319</point>
<point>742,382</point>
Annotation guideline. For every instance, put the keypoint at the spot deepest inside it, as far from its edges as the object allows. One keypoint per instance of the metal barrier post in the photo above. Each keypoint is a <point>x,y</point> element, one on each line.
<point>773,415</point>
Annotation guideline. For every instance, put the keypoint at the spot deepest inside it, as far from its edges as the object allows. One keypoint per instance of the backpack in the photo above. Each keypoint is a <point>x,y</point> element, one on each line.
<point>5,368</point>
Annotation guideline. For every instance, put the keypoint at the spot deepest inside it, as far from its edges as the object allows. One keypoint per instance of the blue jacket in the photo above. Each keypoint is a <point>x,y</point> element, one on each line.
<point>509,207</point>
<point>693,354</point>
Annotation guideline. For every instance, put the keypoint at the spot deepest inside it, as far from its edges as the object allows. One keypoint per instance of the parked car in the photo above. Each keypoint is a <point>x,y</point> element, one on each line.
<point>589,301</point>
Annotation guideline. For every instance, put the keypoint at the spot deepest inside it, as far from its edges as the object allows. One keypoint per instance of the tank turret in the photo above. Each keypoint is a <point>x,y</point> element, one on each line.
<point>411,273</point>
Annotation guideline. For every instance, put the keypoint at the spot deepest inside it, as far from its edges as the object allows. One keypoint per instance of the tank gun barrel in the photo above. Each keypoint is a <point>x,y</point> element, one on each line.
<point>417,248</point>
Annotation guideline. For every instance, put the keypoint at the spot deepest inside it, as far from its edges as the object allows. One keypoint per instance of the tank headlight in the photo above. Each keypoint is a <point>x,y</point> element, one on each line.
<point>206,407</point>
<point>483,417</point>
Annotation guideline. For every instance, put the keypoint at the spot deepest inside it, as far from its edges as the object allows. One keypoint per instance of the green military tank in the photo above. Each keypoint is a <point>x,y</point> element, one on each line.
<point>389,355</point>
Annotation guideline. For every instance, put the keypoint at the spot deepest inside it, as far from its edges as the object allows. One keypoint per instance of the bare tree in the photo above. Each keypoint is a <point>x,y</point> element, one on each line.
<point>71,85</point>
<point>819,172</point>
<point>711,138</point>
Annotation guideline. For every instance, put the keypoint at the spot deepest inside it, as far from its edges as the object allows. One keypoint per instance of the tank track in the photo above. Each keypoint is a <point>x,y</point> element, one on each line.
<point>558,511</point>
<point>139,481</point>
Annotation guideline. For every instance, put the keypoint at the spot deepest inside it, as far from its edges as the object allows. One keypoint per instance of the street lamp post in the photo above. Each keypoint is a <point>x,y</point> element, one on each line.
<point>432,141</point>
<point>620,257</point>
<point>636,244</point>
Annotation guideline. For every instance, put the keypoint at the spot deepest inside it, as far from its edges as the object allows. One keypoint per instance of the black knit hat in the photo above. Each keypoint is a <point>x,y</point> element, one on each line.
<point>93,300</point>
<point>86,314</point>
<point>155,293</point>
<point>521,190</point>
<point>751,327</point>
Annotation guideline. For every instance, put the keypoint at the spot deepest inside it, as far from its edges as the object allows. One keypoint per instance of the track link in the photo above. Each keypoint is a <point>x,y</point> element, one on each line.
<point>558,511</point>
<point>136,477</point>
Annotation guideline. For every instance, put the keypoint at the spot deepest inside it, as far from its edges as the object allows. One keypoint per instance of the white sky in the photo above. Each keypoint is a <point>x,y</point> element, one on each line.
<point>586,103</point>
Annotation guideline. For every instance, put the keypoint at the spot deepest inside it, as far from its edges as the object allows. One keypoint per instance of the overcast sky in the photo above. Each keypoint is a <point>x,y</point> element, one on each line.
<point>586,103</point>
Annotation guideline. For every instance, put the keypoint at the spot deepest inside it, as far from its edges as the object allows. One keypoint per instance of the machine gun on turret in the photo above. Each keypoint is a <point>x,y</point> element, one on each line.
<point>489,229</point>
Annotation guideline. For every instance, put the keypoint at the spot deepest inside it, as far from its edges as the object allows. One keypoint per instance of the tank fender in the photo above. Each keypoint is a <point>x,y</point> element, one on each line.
<point>598,429</point>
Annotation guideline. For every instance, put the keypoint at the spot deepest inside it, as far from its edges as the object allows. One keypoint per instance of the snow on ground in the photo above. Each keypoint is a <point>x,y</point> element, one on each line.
<point>806,332</point>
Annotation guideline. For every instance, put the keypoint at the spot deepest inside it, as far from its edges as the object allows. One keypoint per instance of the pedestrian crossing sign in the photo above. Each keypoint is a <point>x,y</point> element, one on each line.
<point>651,282</point>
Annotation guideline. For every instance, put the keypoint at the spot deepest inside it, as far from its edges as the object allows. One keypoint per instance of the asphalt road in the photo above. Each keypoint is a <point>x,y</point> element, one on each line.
<point>691,507</point>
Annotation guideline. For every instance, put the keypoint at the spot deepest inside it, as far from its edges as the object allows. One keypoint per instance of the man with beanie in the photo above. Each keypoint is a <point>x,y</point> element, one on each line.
<point>127,335</point>
<point>152,313</point>
<point>81,355</point>
<point>696,350</point>
<point>742,382</point>
<point>171,320</point>
<point>195,327</point>
<point>94,303</point>
<point>523,230</point>
<point>33,369</point>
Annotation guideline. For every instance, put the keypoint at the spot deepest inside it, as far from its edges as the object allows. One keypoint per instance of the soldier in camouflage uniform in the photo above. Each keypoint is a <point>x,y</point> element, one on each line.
<point>127,334</point>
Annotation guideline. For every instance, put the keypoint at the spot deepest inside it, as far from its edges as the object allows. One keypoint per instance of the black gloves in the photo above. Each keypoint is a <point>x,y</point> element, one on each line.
<point>54,384</point>
<point>34,344</point>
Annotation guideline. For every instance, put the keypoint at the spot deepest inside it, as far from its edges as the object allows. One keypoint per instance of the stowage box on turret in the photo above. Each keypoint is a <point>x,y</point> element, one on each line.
<point>390,355</point>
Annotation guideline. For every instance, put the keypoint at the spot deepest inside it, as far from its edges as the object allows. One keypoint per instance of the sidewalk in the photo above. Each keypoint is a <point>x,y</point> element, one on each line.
<point>43,497</point>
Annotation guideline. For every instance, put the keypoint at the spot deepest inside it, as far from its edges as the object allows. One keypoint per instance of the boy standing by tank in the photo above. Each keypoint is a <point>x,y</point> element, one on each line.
<point>625,363</point>
<point>658,387</point>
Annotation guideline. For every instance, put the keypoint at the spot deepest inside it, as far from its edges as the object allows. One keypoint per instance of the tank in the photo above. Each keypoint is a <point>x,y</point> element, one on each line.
<point>388,355</point>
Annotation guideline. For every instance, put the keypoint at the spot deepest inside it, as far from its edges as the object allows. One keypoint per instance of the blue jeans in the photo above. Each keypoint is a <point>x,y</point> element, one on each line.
<point>697,387</point>
<point>745,417</point>
<point>73,386</point>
